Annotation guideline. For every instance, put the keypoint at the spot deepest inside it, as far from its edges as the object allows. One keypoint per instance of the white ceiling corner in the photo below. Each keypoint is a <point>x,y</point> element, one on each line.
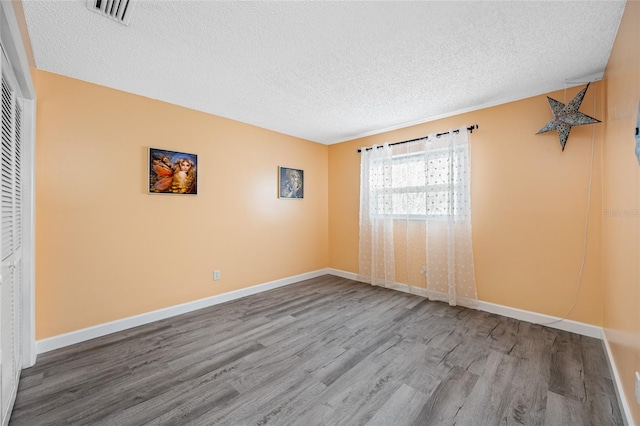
<point>329,71</point>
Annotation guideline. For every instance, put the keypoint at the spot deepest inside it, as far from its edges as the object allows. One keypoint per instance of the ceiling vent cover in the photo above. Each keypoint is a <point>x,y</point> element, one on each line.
<point>118,10</point>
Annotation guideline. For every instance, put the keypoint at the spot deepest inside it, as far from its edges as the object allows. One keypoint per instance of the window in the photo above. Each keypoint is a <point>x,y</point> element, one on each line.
<point>417,185</point>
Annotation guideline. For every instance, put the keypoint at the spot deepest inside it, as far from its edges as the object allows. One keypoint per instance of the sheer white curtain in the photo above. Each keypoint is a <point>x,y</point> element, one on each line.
<point>415,218</point>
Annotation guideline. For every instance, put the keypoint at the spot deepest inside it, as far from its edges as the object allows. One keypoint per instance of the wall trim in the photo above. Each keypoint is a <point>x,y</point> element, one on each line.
<point>581,328</point>
<point>73,337</point>
<point>549,321</point>
<point>624,404</point>
<point>343,274</point>
<point>66,339</point>
<point>507,311</point>
<point>13,46</point>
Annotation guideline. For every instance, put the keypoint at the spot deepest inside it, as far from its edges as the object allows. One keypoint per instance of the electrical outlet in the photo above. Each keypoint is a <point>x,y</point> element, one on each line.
<point>216,275</point>
<point>637,387</point>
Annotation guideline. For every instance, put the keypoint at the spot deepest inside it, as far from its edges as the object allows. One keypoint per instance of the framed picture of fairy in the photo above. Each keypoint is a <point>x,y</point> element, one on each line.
<point>172,172</point>
<point>290,183</point>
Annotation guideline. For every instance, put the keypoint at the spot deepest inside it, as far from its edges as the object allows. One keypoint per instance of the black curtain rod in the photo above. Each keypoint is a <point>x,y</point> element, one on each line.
<point>470,129</point>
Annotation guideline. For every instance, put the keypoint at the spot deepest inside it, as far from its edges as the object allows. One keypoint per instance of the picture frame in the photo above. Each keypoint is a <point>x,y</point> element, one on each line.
<point>290,183</point>
<point>172,172</point>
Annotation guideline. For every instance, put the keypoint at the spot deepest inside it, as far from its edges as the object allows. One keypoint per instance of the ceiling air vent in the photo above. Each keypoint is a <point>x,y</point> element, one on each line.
<point>118,10</point>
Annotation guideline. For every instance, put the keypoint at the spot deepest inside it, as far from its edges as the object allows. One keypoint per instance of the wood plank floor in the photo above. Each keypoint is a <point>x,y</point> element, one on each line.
<point>326,351</point>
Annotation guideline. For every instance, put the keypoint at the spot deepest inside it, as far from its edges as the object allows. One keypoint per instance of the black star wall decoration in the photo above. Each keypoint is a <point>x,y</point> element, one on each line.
<point>566,116</point>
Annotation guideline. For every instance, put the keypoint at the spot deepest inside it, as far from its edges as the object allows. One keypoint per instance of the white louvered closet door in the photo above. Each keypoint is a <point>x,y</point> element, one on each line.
<point>11,248</point>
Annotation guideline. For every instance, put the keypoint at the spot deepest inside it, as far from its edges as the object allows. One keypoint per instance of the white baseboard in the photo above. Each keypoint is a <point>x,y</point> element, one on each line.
<point>550,321</point>
<point>342,274</point>
<point>542,319</point>
<point>533,317</point>
<point>78,336</point>
<point>624,404</point>
<point>89,333</point>
<point>62,340</point>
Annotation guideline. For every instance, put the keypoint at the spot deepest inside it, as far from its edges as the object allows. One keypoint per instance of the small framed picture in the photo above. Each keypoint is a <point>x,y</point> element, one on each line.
<point>172,172</point>
<point>290,183</point>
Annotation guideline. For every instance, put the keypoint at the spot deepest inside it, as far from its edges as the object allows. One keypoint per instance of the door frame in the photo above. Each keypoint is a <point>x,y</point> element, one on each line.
<point>14,48</point>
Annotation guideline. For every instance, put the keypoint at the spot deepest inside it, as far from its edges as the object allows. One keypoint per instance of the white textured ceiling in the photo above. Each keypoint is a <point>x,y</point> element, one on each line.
<point>329,71</point>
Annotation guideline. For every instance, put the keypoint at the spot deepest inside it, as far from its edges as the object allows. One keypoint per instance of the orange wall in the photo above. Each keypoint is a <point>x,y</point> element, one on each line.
<point>106,250</point>
<point>621,204</point>
<point>528,205</point>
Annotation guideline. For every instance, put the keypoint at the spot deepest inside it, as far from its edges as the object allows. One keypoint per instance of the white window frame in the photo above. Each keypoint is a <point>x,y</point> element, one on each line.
<point>433,188</point>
